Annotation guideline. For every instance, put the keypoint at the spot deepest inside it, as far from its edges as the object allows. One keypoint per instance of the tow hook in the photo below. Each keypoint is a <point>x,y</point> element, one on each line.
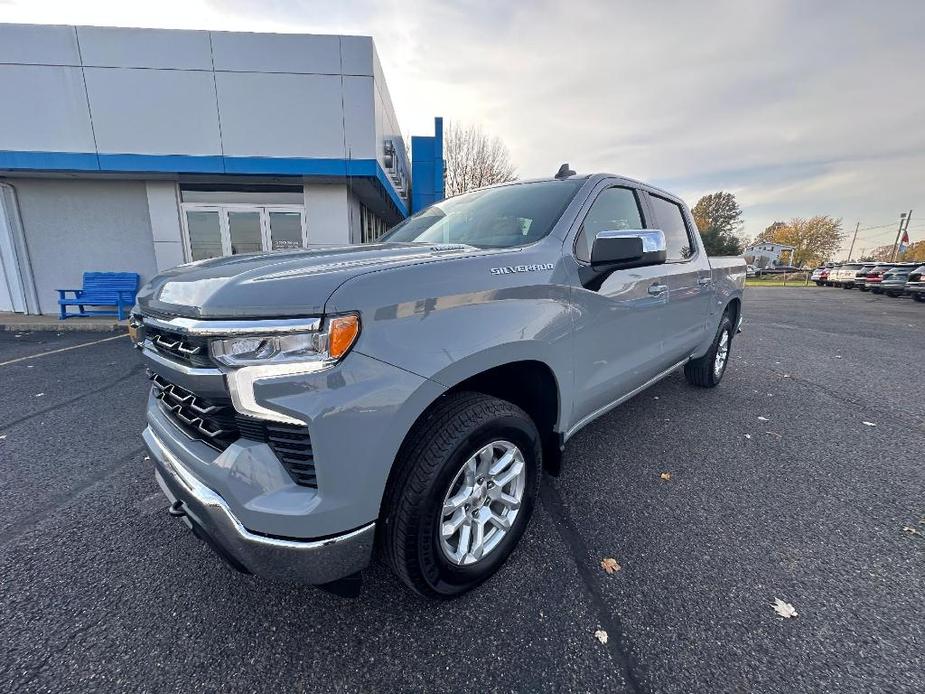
<point>176,509</point>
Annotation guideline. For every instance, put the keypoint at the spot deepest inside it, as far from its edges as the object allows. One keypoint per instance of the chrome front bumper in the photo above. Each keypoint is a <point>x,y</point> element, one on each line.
<point>209,516</point>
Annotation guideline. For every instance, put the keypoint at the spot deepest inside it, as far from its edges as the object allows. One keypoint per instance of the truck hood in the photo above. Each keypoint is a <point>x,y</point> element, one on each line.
<point>263,285</point>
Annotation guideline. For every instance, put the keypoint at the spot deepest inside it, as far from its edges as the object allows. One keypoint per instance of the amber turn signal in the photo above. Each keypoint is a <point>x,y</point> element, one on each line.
<point>342,333</point>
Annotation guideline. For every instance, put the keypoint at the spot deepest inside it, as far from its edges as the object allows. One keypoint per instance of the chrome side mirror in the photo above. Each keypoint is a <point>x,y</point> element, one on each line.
<point>625,248</point>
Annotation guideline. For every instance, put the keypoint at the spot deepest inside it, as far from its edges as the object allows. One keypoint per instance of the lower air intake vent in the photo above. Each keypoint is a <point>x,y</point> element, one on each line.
<point>215,423</point>
<point>293,447</point>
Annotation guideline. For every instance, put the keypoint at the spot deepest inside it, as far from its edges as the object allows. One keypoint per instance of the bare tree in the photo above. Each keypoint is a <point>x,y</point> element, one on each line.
<point>474,159</point>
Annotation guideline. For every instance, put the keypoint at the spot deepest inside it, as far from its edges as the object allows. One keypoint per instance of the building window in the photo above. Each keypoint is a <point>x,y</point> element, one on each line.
<point>371,226</point>
<point>229,220</point>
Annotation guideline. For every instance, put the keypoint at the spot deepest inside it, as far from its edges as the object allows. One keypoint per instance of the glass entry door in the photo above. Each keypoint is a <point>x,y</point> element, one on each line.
<point>214,231</point>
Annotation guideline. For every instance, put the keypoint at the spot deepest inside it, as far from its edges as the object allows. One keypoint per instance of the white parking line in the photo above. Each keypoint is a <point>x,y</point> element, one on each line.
<point>63,349</point>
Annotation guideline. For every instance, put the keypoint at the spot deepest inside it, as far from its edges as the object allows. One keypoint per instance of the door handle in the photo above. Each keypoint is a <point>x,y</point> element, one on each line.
<point>658,289</point>
<point>703,281</point>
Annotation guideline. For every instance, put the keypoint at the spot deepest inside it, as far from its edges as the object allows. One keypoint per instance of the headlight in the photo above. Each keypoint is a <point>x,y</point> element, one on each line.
<point>254,357</point>
<point>325,346</point>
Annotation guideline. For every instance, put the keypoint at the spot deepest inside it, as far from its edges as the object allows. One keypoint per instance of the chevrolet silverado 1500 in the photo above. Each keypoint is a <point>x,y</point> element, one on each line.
<point>316,408</point>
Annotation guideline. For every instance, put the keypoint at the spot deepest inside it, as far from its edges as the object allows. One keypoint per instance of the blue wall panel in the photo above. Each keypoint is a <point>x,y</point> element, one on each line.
<point>427,168</point>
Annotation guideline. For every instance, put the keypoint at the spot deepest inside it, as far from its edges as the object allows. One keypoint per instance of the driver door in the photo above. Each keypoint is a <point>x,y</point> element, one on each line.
<point>619,327</point>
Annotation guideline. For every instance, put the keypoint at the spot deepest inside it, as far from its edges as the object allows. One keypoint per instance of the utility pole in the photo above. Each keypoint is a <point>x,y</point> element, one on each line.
<point>854,238</point>
<point>902,220</point>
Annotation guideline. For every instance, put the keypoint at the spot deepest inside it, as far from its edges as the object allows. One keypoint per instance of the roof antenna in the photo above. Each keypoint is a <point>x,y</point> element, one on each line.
<point>564,172</point>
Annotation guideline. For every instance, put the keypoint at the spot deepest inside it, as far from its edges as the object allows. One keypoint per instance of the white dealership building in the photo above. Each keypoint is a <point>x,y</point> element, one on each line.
<point>135,150</point>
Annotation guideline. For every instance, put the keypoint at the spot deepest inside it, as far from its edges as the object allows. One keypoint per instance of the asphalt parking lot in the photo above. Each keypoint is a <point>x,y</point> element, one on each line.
<point>778,489</point>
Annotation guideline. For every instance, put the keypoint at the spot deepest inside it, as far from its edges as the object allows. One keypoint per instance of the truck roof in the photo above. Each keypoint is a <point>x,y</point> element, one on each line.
<point>593,178</point>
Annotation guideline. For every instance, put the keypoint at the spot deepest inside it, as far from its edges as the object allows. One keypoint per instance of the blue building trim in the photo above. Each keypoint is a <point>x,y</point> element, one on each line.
<point>161,163</point>
<point>183,163</point>
<point>427,168</point>
<point>43,161</point>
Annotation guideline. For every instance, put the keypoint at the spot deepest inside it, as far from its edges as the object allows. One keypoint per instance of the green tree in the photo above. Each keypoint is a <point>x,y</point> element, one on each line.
<point>719,219</point>
<point>815,240</point>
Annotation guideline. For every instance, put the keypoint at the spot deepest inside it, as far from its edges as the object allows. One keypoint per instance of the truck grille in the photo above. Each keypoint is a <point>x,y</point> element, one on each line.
<point>215,423</point>
<point>188,349</point>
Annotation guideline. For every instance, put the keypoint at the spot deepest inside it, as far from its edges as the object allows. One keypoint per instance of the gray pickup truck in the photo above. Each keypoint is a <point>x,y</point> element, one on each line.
<point>314,408</point>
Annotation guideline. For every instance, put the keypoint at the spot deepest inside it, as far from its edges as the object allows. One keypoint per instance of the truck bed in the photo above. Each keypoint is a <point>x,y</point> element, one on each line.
<point>728,273</point>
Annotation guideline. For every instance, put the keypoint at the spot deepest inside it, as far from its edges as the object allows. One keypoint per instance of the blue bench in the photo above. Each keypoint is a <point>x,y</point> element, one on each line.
<point>116,289</point>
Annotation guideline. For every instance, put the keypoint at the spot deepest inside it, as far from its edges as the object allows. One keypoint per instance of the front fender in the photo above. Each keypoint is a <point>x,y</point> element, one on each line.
<point>468,319</point>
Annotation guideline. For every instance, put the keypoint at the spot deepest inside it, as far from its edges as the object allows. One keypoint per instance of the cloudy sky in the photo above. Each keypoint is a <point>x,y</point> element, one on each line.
<point>797,107</point>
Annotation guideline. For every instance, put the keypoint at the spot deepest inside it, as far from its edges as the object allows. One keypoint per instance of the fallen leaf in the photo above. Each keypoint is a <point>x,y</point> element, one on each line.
<point>762,419</point>
<point>38,395</point>
<point>30,366</point>
<point>601,635</point>
<point>911,530</point>
<point>870,424</point>
<point>774,433</point>
<point>655,397</point>
<point>610,565</point>
<point>2,436</point>
<point>786,375</point>
<point>748,436</point>
<point>838,356</point>
<point>665,476</point>
<point>784,609</point>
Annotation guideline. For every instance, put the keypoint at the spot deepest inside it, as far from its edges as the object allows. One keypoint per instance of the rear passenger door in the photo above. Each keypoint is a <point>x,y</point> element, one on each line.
<point>687,273</point>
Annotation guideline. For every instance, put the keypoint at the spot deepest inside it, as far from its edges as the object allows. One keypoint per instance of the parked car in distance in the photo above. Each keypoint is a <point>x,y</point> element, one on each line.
<point>844,275</point>
<point>875,276</point>
<point>750,270</point>
<point>915,285</point>
<point>819,275</point>
<point>893,282</point>
<point>860,277</point>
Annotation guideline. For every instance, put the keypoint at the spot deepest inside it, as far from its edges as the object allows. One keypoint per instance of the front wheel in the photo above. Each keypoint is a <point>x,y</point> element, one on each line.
<point>919,296</point>
<point>708,370</point>
<point>462,493</point>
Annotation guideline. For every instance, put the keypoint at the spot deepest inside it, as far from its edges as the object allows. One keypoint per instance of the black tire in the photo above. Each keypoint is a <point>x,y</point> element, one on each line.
<point>863,289</point>
<point>892,294</point>
<point>876,291</point>
<point>700,372</point>
<point>919,296</point>
<point>818,283</point>
<point>454,429</point>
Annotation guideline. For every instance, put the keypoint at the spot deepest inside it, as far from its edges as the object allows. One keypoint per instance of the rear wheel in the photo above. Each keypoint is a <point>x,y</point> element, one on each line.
<point>463,491</point>
<point>708,370</point>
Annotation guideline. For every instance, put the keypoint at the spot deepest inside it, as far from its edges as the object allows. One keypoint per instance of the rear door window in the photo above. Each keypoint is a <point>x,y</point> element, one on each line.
<point>670,219</point>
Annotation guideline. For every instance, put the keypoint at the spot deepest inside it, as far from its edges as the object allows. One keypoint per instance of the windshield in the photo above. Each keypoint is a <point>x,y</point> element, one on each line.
<point>503,217</point>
